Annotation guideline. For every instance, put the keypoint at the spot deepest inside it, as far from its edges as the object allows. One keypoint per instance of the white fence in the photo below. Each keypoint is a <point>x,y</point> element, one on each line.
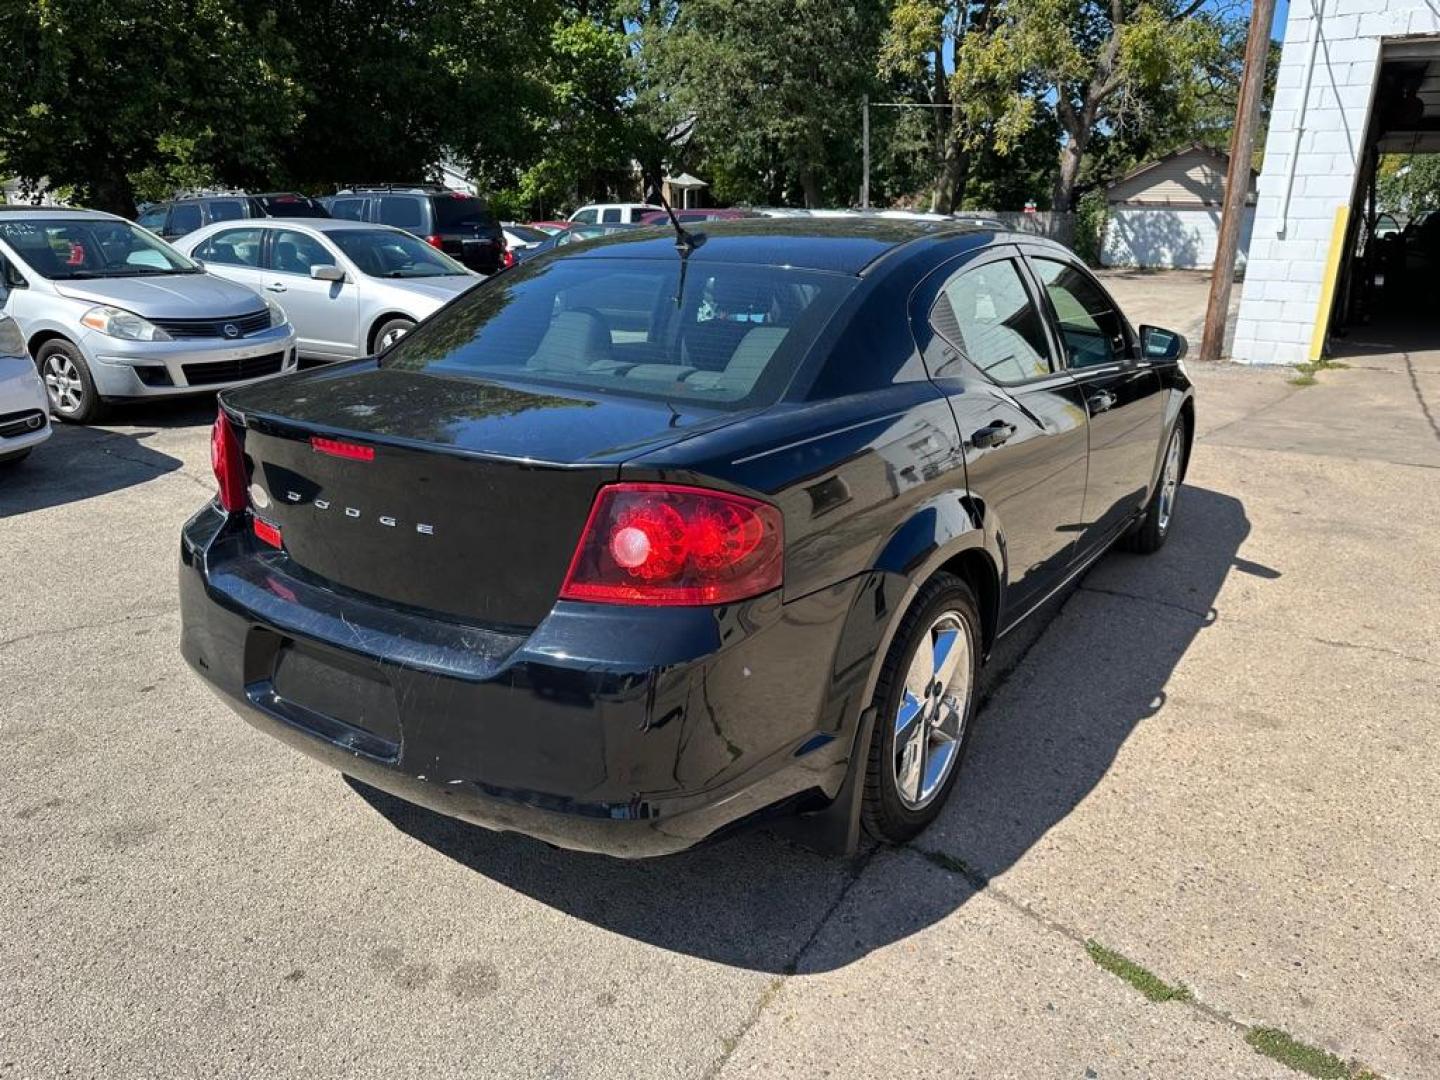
<point>1161,238</point>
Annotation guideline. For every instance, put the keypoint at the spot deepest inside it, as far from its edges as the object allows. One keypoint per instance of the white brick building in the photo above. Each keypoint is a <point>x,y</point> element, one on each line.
<point>1357,77</point>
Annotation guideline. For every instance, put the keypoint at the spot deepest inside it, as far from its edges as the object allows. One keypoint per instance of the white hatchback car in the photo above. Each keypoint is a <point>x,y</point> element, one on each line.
<point>24,409</point>
<point>350,288</point>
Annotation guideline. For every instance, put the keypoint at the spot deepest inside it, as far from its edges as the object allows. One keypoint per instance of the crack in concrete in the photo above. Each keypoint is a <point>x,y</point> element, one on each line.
<point>730,1043</point>
<point>97,625</point>
<point>1248,624</point>
<point>1420,397</point>
<point>982,883</point>
<point>1155,600</point>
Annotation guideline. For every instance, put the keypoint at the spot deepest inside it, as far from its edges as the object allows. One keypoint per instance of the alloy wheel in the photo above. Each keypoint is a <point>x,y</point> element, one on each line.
<point>394,334</point>
<point>62,383</point>
<point>933,706</point>
<point>1170,480</point>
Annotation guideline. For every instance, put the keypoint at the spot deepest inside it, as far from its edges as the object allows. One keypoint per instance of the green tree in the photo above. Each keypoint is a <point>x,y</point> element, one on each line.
<point>101,96</point>
<point>585,131</point>
<point>943,54</point>
<point>774,87</point>
<point>1408,183</point>
<point>1102,61</point>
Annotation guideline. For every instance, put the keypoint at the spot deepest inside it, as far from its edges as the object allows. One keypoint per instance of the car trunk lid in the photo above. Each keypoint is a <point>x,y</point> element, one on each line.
<point>453,495</point>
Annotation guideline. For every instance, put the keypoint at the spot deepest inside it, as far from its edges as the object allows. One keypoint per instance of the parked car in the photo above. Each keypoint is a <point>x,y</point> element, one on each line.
<point>24,417</point>
<point>459,224</point>
<point>176,217</point>
<point>519,237</point>
<point>349,289</point>
<point>687,217</point>
<point>612,213</point>
<point>109,311</point>
<point>571,234</point>
<point>550,228</point>
<point>626,546</point>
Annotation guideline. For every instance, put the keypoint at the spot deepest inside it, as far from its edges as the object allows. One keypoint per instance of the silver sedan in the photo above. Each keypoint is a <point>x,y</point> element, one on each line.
<point>350,288</point>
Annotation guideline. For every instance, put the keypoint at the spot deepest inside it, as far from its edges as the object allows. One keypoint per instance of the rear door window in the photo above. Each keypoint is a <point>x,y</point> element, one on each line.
<point>232,247</point>
<point>989,315</point>
<point>226,209</point>
<point>728,336</point>
<point>611,216</point>
<point>402,211</point>
<point>350,209</point>
<point>184,218</point>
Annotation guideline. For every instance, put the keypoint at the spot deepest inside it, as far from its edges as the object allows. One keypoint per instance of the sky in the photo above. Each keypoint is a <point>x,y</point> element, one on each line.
<point>1277,28</point>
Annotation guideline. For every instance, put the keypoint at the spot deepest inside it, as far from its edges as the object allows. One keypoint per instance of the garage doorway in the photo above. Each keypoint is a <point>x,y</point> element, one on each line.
<point>1387,295</point>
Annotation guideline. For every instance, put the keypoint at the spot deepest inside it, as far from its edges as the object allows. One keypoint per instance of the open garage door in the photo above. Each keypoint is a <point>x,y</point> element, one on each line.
<point>1387,293</point>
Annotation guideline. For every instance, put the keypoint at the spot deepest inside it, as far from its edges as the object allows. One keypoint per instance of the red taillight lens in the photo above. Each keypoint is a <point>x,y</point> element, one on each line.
<point>348,450</point>
<point>664,544</point>
<point>507,260</point>
<point>435,241</point>
<point>228,461</point>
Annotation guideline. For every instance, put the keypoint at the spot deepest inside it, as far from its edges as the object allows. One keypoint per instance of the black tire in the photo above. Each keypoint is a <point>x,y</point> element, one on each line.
<point>390,326</point>
<point>885,814</point>
<point>1150,534</point>
<point>88,407</point>
<point>11,460</point>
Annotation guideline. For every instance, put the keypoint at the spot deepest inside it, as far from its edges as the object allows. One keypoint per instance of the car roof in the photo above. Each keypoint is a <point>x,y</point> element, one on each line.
<point>314,224</point>
<point>31,213</point>
<point>846,245</point>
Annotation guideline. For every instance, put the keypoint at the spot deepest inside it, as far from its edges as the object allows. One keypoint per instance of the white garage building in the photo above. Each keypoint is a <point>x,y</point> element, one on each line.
<point>1357,78</point>
<point>1165,214</point>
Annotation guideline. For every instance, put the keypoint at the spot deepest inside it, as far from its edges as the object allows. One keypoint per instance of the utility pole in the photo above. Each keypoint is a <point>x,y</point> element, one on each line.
<point>1237,177</point>
<point>865,151</point>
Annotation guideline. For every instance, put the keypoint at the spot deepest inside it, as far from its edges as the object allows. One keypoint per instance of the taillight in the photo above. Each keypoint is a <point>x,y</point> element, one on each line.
<point>507,260</point>
<point>435,241</point>
<point>664,544</point>
<point>228,461</point>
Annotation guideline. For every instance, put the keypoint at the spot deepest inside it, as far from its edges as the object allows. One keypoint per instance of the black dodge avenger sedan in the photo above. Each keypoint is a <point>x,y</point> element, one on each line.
<point>655,534</point>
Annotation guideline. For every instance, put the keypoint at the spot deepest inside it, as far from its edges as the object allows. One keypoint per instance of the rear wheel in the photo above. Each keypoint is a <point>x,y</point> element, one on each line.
<point>68,383</point>
<point>391,331</point>
<point>924,701</point>
<point>1149,535</point>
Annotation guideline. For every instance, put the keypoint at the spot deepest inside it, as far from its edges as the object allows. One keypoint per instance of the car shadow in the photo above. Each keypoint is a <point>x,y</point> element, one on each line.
<point>78,463</point>
<point>1045,738</point>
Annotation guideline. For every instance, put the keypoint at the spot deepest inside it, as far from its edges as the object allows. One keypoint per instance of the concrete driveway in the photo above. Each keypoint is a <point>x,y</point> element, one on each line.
<point>1218,763</point>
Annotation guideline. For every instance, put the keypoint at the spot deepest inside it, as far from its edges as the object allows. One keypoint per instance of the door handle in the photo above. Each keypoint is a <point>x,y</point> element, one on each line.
<point>276,286</point>
<point>1100,402</point>
<point>996,434</point>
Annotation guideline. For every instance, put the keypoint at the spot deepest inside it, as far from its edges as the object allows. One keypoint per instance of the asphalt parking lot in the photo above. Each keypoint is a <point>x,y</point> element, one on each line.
<point>1219,762</point>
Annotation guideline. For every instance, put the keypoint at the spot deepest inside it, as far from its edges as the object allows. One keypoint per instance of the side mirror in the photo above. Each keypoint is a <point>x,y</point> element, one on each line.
<point>327,273</point>
<point>1160,344</point>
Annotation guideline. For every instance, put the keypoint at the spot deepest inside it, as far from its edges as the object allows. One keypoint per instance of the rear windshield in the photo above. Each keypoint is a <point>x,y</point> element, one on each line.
<point>452,211</point>
<point>730,336</point>
<point>291,206</point>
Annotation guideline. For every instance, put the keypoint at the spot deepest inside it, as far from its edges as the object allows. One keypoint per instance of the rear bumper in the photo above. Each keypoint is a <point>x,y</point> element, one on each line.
<point>627,732</point>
